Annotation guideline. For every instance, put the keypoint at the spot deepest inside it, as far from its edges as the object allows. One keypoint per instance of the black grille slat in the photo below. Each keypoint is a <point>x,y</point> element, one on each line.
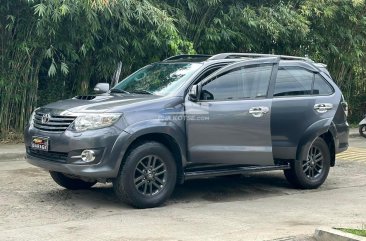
<point>60,124</point>
<point>48,155</point>
<point>55,116</point>
<point>56,123</point>
<point>49,128</point>
<point>85,97</point>
<point>54,119</point>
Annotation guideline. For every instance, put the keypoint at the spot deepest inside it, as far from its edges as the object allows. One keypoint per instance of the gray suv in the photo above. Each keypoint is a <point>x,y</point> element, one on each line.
<point>194,116</point>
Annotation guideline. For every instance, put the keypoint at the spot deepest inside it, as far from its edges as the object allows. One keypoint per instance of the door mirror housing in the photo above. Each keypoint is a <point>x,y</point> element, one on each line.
<point>194,93</point>
<point>101,88</point>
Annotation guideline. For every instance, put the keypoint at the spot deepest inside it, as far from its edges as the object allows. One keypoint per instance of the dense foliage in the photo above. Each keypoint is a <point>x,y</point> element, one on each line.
<point>53,49</point>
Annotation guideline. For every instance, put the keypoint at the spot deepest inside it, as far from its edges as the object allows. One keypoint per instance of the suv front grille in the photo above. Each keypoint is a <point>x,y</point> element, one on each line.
<point>48,155</point>
<point>52,123</point>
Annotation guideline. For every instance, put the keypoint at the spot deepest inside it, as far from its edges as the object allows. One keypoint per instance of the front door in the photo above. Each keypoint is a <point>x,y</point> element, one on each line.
<point>230,121</point>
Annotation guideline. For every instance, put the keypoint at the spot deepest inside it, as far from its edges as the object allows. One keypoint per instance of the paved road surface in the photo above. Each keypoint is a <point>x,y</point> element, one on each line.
<point>260,206</point>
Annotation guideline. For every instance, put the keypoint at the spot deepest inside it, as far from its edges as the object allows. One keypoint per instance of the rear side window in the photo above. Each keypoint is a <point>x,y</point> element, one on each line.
<point>293,82</point>
<point>300,82</point>
<point>321,86</point>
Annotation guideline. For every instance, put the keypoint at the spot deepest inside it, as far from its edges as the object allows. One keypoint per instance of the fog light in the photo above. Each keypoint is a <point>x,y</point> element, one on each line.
<point>88,156</point>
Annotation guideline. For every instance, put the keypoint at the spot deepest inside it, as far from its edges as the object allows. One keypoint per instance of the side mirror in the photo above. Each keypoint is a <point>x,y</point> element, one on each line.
<point>101,88</point>
<point>194,93</point>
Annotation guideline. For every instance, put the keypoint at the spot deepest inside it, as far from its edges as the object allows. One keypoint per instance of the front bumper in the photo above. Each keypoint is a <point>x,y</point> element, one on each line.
<point>64,149</point>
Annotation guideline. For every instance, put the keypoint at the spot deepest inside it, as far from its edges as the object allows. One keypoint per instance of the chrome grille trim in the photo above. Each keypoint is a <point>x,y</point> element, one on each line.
<point>57,123</point>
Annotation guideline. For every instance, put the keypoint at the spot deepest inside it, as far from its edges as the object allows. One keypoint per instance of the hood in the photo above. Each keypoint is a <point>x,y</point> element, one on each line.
<point>97,103</point>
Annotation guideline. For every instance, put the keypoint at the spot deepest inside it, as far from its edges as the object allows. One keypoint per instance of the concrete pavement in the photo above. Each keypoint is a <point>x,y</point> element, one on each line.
<point>261,206</point>
<point>11,151</point>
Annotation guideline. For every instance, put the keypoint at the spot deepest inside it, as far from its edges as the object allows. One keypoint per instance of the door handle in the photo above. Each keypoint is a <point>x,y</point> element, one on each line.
<point>323,107</point>
<point>258,111</point>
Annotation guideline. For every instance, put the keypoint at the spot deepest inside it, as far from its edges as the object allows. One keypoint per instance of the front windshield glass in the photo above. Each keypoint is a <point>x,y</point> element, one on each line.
<point>157,79</point>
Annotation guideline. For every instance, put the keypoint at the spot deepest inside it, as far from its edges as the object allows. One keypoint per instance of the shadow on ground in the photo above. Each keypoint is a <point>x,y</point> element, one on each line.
<point>219,189</point>
<point>232,188</point>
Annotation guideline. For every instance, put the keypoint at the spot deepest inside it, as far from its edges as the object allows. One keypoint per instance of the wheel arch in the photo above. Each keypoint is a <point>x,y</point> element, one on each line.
<point>325,129</point>
<point>165,139</point>
<point>328,137</point>
<point>169,135</point>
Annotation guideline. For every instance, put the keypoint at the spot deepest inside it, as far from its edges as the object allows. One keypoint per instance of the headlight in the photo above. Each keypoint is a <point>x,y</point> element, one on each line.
<point>94,121</point>
<point>31,118</point>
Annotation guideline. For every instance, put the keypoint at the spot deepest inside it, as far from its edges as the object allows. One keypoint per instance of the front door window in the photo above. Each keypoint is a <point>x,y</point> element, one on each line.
<point>238,84</point>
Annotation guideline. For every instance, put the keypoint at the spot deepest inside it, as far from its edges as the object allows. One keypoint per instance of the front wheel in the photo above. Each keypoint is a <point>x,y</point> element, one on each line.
<point>362,130</point>
<point>147,177</point>
<point>312,172</point>
<point>71,182</point>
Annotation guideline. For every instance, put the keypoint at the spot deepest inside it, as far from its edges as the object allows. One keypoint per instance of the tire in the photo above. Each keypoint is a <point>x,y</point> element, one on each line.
<point>362,130</point>
<point>70,182</point>
<point>310,173</point>
<point>147,176</point>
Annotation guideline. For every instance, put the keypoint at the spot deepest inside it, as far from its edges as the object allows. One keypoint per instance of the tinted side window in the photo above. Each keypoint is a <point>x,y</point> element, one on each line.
<point>244,83</point>
<point>321,86</point>
<point>224,87</point>
<point>208,72</point>
<point>293,81</point>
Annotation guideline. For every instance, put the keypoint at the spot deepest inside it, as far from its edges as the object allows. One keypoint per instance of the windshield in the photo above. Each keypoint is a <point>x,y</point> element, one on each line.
<point>157,79</point>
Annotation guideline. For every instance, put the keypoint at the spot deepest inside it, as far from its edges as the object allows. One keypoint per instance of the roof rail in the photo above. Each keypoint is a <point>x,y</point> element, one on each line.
<point>251,55</point>
<point>187,56</point>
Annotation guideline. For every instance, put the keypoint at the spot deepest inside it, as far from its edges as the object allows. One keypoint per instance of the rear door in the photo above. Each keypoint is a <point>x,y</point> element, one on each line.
<point>230,123</point>
<point>301,98</point>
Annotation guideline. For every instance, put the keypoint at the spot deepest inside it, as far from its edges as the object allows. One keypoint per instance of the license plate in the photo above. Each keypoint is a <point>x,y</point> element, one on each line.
<point>40,143</point>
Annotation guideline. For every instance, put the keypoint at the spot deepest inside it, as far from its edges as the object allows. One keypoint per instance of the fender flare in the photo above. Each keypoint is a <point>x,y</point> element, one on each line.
<point>311,133</point>
<point>133,132</point>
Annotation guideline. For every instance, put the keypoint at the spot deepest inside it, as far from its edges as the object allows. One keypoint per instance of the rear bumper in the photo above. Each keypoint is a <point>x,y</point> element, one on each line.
<point>342,137</point>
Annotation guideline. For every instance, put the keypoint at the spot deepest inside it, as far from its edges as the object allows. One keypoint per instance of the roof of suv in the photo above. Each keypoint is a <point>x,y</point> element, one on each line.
<point>233,57</point>
<point>237,56</point>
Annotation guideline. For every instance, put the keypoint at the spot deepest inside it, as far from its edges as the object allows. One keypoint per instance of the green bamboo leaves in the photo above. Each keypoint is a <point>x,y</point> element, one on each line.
<point>54,49</point>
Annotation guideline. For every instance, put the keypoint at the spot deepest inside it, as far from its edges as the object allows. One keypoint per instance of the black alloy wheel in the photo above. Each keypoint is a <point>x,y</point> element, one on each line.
<point>150,175</point>
<point>147,176</point>
<point>313,166</point>
<point>313,171</point>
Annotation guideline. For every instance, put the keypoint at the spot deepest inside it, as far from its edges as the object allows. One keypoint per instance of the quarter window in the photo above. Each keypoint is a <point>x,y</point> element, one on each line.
<point>291,82</point>
<point>321,87</point>
<point>243,83</point>
<point>299,82</point>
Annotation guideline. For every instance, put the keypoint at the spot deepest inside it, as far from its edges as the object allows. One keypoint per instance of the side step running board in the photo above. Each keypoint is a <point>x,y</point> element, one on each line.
<point>231,171</point>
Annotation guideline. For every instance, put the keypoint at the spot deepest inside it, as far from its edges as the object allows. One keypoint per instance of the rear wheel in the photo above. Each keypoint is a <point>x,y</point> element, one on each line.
<point>312,172</point>
<point>70,182</point>
<point>147,177</point>
<point>362,130</point>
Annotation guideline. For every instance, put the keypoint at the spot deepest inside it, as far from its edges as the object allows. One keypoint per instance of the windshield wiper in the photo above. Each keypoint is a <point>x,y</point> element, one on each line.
<point>146,92</point>
<point>119,91</point>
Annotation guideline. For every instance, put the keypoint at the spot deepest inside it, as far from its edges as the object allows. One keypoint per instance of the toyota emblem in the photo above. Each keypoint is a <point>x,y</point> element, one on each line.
<point>46,118</point>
